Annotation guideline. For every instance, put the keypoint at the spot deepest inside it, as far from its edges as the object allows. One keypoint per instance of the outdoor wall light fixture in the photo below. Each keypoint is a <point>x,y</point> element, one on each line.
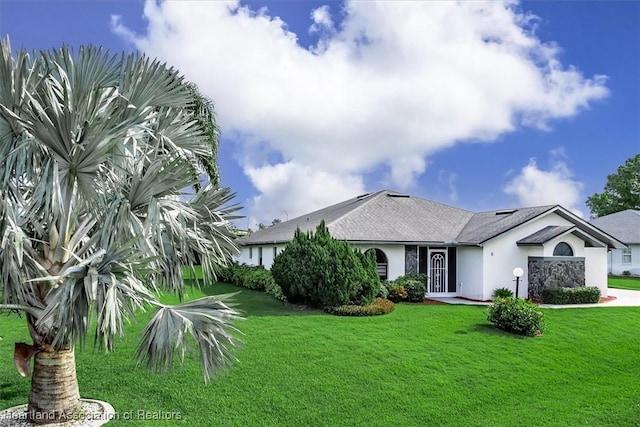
<point>518,272</point>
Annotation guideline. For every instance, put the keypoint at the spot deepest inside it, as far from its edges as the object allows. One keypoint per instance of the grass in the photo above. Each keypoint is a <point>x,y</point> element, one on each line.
<point>624,282</point>
<point>420,365</point>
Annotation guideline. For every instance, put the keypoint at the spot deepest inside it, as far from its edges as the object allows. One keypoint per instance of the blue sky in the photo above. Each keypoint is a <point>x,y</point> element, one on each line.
<point>476,105</point>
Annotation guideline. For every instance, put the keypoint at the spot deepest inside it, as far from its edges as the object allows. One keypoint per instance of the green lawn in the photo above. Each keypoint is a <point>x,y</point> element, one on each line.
<point>418,366</point>
<point>624,282</point>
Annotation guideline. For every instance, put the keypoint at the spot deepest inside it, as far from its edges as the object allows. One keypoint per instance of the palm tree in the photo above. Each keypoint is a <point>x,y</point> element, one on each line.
<point>95,149</point>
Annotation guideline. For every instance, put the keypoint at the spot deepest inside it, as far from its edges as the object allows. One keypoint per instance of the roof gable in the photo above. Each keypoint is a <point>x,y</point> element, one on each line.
<point>545,234</point>
<point>487,225</point>
<point>550,232</point>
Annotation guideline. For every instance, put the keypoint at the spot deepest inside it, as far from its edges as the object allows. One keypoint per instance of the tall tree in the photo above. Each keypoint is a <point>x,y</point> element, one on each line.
<point>621,192</point>
<point>95,150</point>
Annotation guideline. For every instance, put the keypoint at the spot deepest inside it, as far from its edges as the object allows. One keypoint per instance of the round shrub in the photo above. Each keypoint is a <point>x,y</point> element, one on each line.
<point>415,286</point>
<point>397,293</point>
<point>516,315</point>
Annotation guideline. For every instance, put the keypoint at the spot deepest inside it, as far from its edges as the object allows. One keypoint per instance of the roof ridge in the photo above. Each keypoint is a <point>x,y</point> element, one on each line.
<point>517,209</point>
<point>366,198</point>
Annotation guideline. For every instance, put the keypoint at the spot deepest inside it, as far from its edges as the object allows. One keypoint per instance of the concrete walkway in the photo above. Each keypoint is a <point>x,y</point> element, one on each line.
<point>624,298</point>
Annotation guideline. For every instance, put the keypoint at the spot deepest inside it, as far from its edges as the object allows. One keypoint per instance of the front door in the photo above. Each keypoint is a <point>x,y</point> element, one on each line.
<point>437,282</point>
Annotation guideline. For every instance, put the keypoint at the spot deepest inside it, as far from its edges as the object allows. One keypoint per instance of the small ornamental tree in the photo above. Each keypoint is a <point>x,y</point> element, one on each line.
<point>95,150</point>
<point>316,269</point>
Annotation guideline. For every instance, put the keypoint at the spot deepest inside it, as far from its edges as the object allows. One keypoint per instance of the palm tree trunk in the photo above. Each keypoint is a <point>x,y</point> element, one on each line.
<point>54,387</point>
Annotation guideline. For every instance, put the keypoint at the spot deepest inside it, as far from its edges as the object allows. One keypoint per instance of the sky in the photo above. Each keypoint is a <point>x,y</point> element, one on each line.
<point>476,105</point>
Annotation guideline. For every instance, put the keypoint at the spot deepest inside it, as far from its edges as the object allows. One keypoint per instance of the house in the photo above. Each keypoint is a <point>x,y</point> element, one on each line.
<point>624,226</point>
<point>463,253</point>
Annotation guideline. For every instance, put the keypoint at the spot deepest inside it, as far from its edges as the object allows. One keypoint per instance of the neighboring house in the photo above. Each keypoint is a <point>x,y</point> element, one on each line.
<point>463,253</point>
<point>624,226</point>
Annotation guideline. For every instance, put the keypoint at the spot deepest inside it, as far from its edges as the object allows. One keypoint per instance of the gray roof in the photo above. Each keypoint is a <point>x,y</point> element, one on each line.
<point>592,239</point>
<point>384,216</point>
<point>487,225</point>
<point>624,225</point>
<point>544,235</point>
<point>389,216</point>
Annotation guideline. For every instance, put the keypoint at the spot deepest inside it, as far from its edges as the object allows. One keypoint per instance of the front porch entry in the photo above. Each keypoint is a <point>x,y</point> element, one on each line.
<point>439,264</point>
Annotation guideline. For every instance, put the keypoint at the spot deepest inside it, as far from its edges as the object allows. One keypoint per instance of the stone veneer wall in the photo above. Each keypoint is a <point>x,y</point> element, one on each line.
<point>547,272</point>
<point>410,259</point>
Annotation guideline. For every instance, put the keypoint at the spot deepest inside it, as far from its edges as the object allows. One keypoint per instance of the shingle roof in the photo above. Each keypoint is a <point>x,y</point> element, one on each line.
<point>624,225</point>
<point>382,216</point>
<point>486,225</point>
<point>544,235</point>
<point>388,216</point>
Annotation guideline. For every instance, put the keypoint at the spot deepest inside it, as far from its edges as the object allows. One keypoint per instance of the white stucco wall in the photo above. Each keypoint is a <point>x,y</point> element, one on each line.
<point>243,258</point>
<point>395,257</point>
<point>595,267</point>
<point>470,272</point>
<point>616,266</point>
<point>501,255</point>
<point>250,254</point>
<point>576,243</point>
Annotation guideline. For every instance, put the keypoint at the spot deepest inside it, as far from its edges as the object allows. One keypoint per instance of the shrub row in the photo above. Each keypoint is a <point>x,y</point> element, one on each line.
<point>577,295</point>
<point>251,277</point>
<point>516,315</point>
<point>377,307</point>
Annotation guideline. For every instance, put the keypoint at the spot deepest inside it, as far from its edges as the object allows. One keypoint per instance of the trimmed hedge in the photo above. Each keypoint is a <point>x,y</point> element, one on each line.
<point>378,307</point>
<point>251,277</point>
<point>577,295</point>
<point>516,315</point>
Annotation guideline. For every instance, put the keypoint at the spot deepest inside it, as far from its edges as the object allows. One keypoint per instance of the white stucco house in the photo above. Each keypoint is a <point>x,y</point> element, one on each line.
<point>624,226</point>
<point>463,253</point>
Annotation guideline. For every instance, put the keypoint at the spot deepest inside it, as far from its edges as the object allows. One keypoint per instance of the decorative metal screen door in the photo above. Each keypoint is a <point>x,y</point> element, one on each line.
<point>437,272</point>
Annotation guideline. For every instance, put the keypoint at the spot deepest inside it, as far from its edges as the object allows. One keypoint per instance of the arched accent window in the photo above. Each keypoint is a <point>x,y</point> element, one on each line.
<point>562,249</point>
<point>382,264</point>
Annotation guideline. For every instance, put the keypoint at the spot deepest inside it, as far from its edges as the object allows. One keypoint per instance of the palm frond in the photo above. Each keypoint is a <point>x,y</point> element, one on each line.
<point>207,321</point>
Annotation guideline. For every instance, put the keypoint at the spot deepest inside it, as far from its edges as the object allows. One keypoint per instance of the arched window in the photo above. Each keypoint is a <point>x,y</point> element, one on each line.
<point>382,264</point>
<point>562,249</point>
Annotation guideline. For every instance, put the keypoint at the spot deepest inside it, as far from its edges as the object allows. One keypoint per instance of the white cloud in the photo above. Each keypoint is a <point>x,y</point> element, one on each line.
<point>392,84</point>
<point>322,20</point>
<point>536,187</point>
<point>449,179</point>
<point>288,190</point>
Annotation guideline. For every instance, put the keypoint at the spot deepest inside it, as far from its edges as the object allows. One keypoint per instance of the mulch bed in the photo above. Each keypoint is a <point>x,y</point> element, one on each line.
<point>432,302</point>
